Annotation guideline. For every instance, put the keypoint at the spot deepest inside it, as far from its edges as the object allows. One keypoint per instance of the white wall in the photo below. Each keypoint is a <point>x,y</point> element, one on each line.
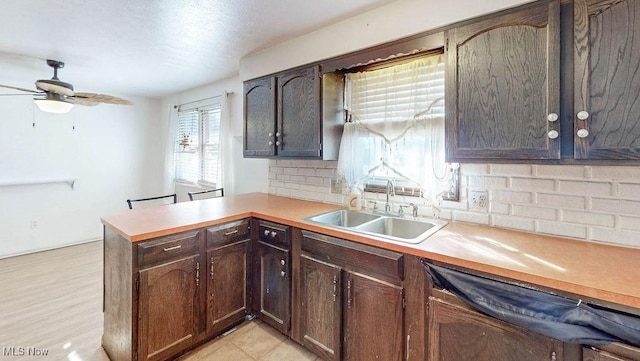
<point>111,153</point>
<point>391,22</point>
<point>241,175</point>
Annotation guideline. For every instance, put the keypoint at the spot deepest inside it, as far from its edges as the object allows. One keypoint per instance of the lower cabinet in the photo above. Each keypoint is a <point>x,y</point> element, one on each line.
<point>611,352</point>
<point>351,300</point>
<point>168,304</point>
<point>457,333</point>
<point>272,278</point>
<point>227,285</point>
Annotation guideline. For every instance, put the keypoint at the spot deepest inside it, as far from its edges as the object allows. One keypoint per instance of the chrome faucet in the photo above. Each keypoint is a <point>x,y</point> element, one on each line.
<point>390,192</point>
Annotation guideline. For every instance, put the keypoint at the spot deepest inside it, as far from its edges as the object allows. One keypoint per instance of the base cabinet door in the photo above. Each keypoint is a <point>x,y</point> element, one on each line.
<point>227,285</point>
<point>168,308</point>
<point>321,300</point>
<point>457,333</point>
<point>373,319</point>
<point>275,286</point>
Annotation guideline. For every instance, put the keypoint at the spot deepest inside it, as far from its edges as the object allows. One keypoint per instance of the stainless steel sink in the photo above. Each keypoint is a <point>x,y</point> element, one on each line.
<point>343,218</point>
<point>401,229</point>
<point>380,225</point>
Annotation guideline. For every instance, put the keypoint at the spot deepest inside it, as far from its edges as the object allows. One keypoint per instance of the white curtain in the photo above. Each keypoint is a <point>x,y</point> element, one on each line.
<point>396,127</point>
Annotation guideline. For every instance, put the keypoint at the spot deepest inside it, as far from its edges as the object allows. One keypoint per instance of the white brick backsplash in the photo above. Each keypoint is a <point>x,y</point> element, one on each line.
<point>588,218</point>
<point>587,188</point>
<point>594,203</point>
<point>474,169</point>
<point>561,229</point>
<point>480,218</point>
<point>616,173</point>
<point>616,206</point>
<point>534,212</point>
<point>485,183</point>
<point>533,185</point>
<point>510,197</point>
<point>561,201</point>
<point>627,190</point>
<point>614,236</point>
<point>630,223</point>
<point>521,224</point>
<point>511,169</point>
<point>560,171</point>
<point>499,207</point>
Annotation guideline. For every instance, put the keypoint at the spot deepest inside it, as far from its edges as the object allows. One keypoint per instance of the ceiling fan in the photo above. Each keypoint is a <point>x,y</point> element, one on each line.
<point>55,96</point>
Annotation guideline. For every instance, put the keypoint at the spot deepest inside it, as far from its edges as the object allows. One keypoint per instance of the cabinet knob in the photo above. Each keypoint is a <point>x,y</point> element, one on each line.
<point>283,273</point>
<point>553,134</point>
<point>270,134</point>
<point>582,115</point>
<point>552,117</point>
<point>282,262</point>
<point>583,133</point>
<point>270,143</point>
<point>273,234</point>
<point>278,143</point>
<point>277,134</point>
<point>266,232</point>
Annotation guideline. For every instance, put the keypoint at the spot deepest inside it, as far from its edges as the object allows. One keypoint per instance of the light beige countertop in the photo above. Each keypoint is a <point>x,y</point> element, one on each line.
<point>603,272</point>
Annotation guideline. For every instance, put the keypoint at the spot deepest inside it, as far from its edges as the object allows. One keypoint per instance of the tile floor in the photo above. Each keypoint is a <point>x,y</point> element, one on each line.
<point>251,341</point>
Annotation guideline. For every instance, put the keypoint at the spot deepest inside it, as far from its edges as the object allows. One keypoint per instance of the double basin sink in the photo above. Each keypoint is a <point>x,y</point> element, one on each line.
<point>380,225</point>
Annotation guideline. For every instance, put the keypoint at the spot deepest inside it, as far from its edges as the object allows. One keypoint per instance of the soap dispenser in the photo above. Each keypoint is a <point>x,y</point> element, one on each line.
<point>354,202</point>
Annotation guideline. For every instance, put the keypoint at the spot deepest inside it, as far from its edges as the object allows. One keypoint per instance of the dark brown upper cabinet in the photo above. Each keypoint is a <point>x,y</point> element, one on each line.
<point>502,86</point>
<point>294,114</point>
<point>607,79</point>
<point>259,117</point>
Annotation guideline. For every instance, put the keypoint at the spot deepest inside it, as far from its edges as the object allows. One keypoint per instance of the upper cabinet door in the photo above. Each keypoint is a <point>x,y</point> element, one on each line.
<point>259,118</point>
<point>607,79</point>
<point>502,86</point>
<point>299,113</point>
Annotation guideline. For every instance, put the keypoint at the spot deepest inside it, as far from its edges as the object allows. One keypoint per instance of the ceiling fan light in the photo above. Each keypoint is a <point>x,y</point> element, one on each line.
<point>53,105</point>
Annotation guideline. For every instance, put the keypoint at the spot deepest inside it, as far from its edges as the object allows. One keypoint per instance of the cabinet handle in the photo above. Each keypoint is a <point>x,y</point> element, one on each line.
<point>553,356</point>
<point>583,115</point>
<point>335,287</point>
<point>211,267</point>
<point>583,133</point>
<point>283,262</point>
<point>553,134</point>
<point>197,274</point>
<point>552,117</point>
<point>349,294</point>
<point>231,232</point>
<point>283,273</point>
<point>172,248</point>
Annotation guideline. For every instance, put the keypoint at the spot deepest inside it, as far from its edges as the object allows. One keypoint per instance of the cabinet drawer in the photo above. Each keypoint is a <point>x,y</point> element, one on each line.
<point>275,233</point>
<point>354,255</point>
<point>167,248</point>
<point>228,232</point>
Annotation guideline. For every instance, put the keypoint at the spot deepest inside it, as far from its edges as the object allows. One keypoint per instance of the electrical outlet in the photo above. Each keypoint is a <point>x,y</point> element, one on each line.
<point>336,185</point>
<point>479,200</point>
<point>34,224</point>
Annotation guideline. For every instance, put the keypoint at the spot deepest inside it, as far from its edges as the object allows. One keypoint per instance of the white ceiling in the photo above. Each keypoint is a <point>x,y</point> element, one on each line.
<point>151,47</point>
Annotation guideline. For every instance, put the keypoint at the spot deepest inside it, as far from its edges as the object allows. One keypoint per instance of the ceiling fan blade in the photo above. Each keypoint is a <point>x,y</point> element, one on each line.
<point>83,101</point>
<point>99,98</point>
<point>21,89</point>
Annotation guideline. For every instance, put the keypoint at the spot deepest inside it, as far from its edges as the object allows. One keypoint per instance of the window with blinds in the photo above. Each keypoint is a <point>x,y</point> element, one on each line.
<point>396,128</point>
<point>197,145</point>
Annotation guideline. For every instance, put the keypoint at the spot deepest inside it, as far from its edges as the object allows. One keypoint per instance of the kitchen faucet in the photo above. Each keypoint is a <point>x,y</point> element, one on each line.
<point>390,192</point>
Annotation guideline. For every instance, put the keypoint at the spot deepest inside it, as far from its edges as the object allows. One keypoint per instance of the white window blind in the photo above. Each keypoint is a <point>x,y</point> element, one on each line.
<point>397,124</point>
<point>197,144</point>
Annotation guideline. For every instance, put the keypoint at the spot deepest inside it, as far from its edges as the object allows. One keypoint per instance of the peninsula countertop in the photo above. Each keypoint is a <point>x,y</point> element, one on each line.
<point>603,272</point>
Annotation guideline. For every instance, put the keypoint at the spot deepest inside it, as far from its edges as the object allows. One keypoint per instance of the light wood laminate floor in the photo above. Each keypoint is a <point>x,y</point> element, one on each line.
<point>52,302</point>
